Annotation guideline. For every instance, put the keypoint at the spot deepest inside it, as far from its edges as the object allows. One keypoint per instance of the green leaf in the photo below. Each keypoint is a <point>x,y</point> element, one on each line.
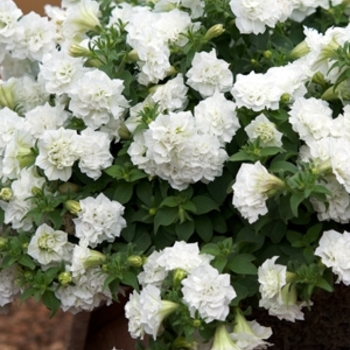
<point>241,264</point>
<point>130,279</point>
<point>165,217</point>
<point>134,175</point>
<point>204,228</point>
<point>313,233</point>
<point>27,261</point>
<point>51,302</point>
<point>115,171</point>
<point>219,264</point>
<point>270,151</point>
<point>322,283</point>
<point>295,200</point>
<point>241,156</point>
<point>170,201</point>
<point>123,192</point>
<point>282,166</point>
<point>185,230</point>
<point>144,192</point>
<point>204,204</point>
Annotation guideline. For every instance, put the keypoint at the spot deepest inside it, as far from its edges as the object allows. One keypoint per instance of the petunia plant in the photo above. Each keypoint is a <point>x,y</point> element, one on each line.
<point>194,151</point>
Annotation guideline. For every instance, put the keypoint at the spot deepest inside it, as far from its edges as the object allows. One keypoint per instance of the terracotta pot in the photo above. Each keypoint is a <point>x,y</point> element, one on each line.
<point>102,329</point>
<point>37,5</point>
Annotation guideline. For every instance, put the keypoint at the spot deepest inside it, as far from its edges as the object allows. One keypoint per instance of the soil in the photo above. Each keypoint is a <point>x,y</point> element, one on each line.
<point>28,327</point>
<point>326,325</point>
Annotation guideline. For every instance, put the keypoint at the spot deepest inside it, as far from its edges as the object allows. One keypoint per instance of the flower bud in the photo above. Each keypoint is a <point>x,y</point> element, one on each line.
<point>37,191</point>
<point>179,275</point>
<point>94,259</point>
<point>64,278</point>
<point>285,98</point>
<point>6,95</point>
<point>222,339</point>
<point>135,261</point>
<point>214,31</point>
<point>73,206</point>
<point>6,194</point>
<point>133,56</point>
<point>342,92</point>
<point>318,78</point>
<point>289,294</point>
<point>3,242</point>
<point>76,50</point>
<point>267,54</point>
<point>152,211</point>
<point>123,132</point>
<point>300,50</point>
<point>25,156</point>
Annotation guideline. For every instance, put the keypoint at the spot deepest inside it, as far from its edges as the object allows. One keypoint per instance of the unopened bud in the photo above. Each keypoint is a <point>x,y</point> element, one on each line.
<point>300,50</point>
<point>64,278</point>
<point>179,275</point>
<point>3,242</point>
<point>6,95</point>
<point>133,56</point>
<point>37,191</point>
<point>73,206</point>
<point>6,194</point>
<point>95,258</point>
<point>267,54</point>
<point>285,98</point>
<point>76,50</point>
<point>135,260</point>
<point>213,32</point>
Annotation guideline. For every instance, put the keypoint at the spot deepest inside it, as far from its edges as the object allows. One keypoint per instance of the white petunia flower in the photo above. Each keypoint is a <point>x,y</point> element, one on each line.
<point>304,8</point>
<point>17,154</point>
<point>172,96</point>
<point>58,150</point>
<point>337,207</point>
<point>60,71</point>
<point>20,204</point>
<point>34,36</point>
<point>210,296</point>
<point>209,74</point>
<point>256,91</point>
<point>262,128</point>
<point>99,220</point>
<point>94,154</point>
<point>45,117</point>
<point>277,295</point>
<point>146,312</point>
<point>184,256</point>
<point>249,335</point>
<point>48,245</point>
<point>311,118</point>
<point>9,290</point>
<point>10,121</point>
<point>340,161</point>
<point>252,16</point>
<point>9,15</point>
<point>217,117</point>
<point>153,272</point>
<point>97,99</point>
<point>272,277</point>
<point>81,17</point>
<point>85,293</point>
<point>333,248</point>
<point>251,190</point>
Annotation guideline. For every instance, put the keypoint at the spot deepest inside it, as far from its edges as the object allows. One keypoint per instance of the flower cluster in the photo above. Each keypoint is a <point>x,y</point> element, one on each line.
<point>179,148</point>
